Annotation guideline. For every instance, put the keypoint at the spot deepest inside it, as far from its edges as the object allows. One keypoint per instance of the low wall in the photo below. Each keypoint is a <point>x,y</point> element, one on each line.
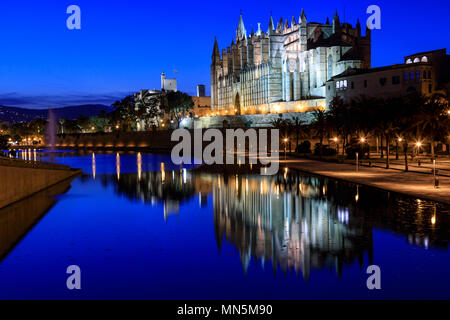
<point>252,120</point>
<point>19,217</point>
<point>158,141</point>
<point>20,179</point>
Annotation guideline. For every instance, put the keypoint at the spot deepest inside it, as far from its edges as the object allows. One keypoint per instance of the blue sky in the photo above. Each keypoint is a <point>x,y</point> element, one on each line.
<point>124,45</point>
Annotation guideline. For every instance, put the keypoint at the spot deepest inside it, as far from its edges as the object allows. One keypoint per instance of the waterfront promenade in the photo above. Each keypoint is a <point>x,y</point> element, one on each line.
<point>414,184</point>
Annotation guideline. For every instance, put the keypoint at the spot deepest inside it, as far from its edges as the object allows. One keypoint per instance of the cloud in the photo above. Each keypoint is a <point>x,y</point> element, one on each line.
<point>14,99</point>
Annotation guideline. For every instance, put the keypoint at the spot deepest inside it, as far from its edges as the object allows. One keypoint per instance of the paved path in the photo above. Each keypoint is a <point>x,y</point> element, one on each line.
<point>410,183</point>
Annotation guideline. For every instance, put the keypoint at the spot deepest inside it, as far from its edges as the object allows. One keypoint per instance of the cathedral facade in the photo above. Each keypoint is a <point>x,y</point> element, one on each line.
<point>286,68</point>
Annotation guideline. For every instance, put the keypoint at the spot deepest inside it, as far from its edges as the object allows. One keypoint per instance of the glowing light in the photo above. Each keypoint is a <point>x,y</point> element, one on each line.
<point>400,139</point>
<point>418,144</point>
<point>363,139</point>
<point>433,220</point>
<point>163,173</point>
<point>335,139</point>
<point>93,165</point>
<point>118,166</point>
<point>139,165</point>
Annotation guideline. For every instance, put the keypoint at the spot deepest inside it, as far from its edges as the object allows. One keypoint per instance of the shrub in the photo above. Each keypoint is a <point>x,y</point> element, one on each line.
<point>326,150</point>
<point>354,147</point>
<point>304,147</point>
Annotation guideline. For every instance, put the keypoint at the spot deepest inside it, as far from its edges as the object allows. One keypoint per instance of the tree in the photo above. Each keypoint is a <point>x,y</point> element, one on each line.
<point>320,127</point>
<point>3,143</point>
<point>177,105</point>
<point>298,126</point>
<point>124,112</point>
<point>433,119</point>
<point>148,107</point>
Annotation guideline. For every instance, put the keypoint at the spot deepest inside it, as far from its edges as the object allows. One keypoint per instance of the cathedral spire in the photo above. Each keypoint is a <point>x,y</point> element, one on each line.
<point>293,23</point>
<point>216,52</point>
<point>241,32</point>
<point>336,22</point>
<point>271,26</point>
<point>258,33</point>
<point>303,17</point>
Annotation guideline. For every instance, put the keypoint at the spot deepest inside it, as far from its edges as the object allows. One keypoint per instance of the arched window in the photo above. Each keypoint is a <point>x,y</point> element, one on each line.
<point>424,59</point>
<point>408,61</point>
<point>416,60</point>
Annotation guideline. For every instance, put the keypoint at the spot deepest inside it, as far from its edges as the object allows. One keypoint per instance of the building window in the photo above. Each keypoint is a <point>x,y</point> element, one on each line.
<point>383,81</point>
<point>424,74</point>
<point>365,83</point>
<point>353,85</point>
<point>416,60</point>
<point>337,84</point>
<point>430,88</point>
<point>411,75</point>
<point>406,76</point>
<point>429,74</point>
<point>395,79</point>
<point>417,75</point>
<point>408,61</point>
<point>424,59</point>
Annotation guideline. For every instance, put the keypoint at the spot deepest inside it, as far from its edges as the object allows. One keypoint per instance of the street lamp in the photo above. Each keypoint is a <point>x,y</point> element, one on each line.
<point>285,146</point>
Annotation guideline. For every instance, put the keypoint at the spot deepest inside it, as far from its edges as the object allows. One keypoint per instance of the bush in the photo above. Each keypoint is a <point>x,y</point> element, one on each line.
<point>354,147</point>
<point>304,147</point>
<point>326,150</point>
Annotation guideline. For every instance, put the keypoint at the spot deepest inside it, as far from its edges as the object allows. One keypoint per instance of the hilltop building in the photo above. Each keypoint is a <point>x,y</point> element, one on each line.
<point>168,84</point>
<point>286,68</point>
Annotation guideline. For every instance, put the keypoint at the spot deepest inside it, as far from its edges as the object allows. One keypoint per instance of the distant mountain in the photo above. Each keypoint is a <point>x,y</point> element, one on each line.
<point>14,114</point>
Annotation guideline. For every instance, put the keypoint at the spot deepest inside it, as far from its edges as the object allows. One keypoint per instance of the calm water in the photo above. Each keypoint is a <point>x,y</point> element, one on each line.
<point>140,227</point>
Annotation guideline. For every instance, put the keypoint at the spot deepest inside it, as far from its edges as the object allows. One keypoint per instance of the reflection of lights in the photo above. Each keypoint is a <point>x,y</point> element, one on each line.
<point>357,194</point>
<point>184,175</point>
<point>118,166</point>
<point>433,220</point>
<point>163,173</point>
<point>139,165</point>
<point>343,215</point>
<point>93,165</point>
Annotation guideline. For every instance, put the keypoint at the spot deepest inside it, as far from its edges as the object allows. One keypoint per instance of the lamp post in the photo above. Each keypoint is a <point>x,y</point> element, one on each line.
<point>285,146</point>
<point>357,162</point>
<point>399,140</point>
<point>335,139</point>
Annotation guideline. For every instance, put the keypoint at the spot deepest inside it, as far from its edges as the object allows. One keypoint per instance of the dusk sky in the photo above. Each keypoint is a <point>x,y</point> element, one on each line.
<point>123,46</point>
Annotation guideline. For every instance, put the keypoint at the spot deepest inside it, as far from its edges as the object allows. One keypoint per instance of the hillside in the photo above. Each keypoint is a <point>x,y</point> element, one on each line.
<point>14,114</point>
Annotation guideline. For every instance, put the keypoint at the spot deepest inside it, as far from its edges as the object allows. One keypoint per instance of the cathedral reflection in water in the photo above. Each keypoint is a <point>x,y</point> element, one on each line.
<point>293,221</point>
<point>289,221</point>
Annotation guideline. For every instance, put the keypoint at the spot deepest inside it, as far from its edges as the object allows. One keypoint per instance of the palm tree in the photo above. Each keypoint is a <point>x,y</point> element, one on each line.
<point>433,119</point>
<point>320,127</point>
<point>298,126</point>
